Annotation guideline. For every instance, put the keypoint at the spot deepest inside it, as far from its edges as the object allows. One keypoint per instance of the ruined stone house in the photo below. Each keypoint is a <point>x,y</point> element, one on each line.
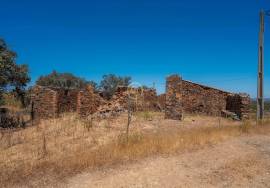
<point>181,97</point>
<point>187,97</point>
<point>50,102</point>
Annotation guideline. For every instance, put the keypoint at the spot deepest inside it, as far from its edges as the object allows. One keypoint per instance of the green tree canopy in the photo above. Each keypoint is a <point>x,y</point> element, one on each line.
<point>110,82</point>
<point>12,76</point>
<point>64,80</point>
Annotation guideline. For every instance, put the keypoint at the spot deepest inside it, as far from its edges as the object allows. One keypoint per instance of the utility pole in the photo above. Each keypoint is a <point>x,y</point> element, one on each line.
<point>260,99</point>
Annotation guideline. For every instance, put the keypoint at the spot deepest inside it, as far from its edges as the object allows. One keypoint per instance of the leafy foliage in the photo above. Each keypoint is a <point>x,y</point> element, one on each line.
<point>110,82</point>
<point>12,76</point>
<point>64,80</point>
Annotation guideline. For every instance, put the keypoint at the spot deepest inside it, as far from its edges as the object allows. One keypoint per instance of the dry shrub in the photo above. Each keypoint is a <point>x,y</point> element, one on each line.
<point>59,148</point>
<point>246,126</point>
<point>146,115</point>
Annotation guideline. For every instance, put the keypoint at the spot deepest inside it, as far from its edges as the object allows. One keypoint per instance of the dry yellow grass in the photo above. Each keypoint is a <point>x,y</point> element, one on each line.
<point>58,148</point>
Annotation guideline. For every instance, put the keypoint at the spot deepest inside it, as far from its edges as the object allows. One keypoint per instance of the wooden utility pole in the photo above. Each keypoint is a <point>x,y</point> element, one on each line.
<point>260,99</point>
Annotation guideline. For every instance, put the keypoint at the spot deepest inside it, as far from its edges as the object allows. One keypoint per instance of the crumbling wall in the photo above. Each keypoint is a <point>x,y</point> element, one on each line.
<point>67,100</point>
<point>88,102</point>
<point>245,106</point>
<point>202,99</point>
<point>50,102</point>
<point>139,100</point>
<point>188,97</point>
<point>239,104</point>
<point>44,103</point>
<point>162,101</point>
<point>173,104</point>
<point>181,96</point>
<point>150,100</point>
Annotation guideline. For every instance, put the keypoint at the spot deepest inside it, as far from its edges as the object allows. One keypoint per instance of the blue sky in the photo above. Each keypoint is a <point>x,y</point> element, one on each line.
<point>210,42</point>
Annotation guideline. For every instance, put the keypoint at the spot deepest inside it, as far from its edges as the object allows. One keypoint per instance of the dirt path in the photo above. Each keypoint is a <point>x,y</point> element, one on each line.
<point>241,162</point>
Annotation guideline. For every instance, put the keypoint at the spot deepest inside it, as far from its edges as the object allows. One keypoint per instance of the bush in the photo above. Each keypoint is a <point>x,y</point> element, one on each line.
<point>64,80</point>
<point>110,82</point>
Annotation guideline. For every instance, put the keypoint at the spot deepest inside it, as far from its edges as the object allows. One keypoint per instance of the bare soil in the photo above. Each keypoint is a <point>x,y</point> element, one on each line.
<point>200,151</point>
<point>240,162</point>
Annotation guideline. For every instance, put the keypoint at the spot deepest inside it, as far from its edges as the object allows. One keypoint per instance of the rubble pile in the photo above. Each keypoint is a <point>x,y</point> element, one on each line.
<point>138,99</point>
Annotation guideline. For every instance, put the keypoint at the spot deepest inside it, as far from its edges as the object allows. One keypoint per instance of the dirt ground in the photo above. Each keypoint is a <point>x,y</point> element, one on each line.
<point>241,162</point>
<point>219,160</point>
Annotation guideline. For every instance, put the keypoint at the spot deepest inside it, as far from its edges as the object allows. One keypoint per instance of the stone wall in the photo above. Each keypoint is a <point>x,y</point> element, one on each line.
<point>44,103</point>
<point>181,97</point>
<point>50,102</point>
<point>150,100</point>
<point>202,99</point>
<point>187,97</point>
<point>67,100</point>
<point>88,102</point>
<point>162,101</point>
<point>140,100</point>
<point>174,102</point>
<point>239,104</point>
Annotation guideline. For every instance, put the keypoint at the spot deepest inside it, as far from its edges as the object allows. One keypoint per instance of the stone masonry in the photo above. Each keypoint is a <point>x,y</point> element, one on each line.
<point>202,99</point>
<point>174,102</point>
<point>44,103</point>
<point>50,102</point>
<point>187,97</point>
<point>140,100</point>
<point>239,104</point>
<point>181,97</point>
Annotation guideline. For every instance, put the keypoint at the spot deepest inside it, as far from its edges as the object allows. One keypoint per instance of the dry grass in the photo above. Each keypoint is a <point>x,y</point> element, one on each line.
<point>62,147</point>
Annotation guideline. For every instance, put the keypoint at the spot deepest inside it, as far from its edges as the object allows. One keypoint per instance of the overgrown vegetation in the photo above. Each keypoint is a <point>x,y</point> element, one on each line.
<point>110,82</point>
<point>13,77</point>
<point>107,86</point>
<point>64,80</point>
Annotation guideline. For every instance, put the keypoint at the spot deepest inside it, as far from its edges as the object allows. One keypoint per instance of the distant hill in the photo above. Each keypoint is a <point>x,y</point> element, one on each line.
<point>266,104</point>
<point>265,99</point>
